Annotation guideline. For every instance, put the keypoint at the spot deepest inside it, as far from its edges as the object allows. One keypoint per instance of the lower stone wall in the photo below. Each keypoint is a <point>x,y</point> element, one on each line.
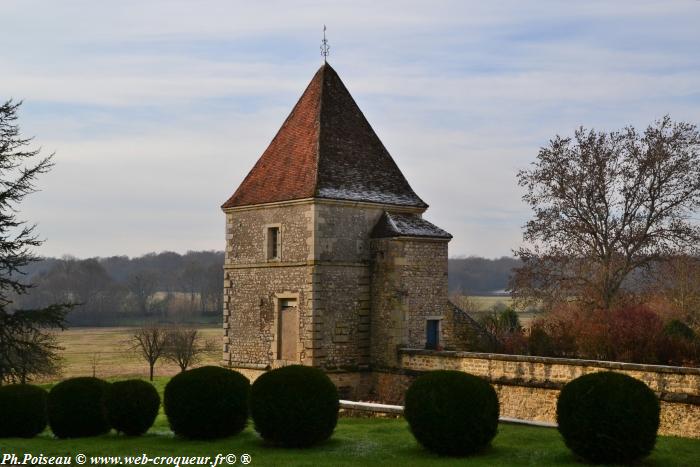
<point>389,387</point>
<point>352,385</point>
<point>250,373</point>
<point>251,312</point>
<point>528,387</point>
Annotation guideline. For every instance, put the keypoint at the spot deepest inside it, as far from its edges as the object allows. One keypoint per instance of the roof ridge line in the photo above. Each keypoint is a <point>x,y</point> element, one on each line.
<point>320,127</point>
<point>391,221</point>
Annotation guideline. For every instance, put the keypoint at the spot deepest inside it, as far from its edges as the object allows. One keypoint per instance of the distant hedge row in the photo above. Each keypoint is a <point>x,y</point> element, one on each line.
<point>603,417</point>
<point>294,406</point>
<point>78,407</point>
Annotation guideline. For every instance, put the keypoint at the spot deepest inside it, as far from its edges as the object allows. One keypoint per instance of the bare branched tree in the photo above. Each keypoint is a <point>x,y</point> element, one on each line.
<point>606,205</point>
<point>150,341</point>
<point>95,362</point>
<point>186,346</point>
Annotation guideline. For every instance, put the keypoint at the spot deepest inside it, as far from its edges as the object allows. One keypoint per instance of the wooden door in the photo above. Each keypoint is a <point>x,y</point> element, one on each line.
<point>288,330</point>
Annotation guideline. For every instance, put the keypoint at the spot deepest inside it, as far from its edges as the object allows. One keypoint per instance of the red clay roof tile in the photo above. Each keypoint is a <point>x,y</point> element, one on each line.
<point>325,149</point>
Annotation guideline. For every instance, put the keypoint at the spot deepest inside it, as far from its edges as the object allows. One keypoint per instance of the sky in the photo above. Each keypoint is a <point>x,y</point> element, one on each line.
<point>156,110</point>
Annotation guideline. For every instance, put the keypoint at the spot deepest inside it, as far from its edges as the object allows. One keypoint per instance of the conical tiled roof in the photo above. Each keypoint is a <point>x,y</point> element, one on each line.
<point>325,149</point>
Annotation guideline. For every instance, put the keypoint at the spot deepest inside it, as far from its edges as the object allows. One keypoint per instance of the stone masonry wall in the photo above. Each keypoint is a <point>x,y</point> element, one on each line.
<point>342,232</point>
<point>409,285</point>
<point>246,229</point>
<point>250,328</point>
<point>528,387</point>
<point>342,283</point>
<point>387,304</point>
<point>352,385</point>
<point>343,316</point>
<point>324,263</point>
<point>463,332</point>
<point>252,284</point>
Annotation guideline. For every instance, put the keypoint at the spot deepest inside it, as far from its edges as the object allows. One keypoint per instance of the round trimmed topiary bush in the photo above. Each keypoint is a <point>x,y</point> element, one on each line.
<point>608,417</point>
<point>294,406</point>
<point>22,411</point>
<point>76,408</point>
<point>132,406</point>
<point>452,413</point>
<point>207,402</point>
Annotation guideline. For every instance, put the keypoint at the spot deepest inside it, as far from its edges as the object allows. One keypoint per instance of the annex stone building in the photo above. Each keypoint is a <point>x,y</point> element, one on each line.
<point>329,261</point>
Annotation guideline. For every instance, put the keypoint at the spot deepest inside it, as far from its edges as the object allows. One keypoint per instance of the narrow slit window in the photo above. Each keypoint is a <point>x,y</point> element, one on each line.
<point>273,243</point>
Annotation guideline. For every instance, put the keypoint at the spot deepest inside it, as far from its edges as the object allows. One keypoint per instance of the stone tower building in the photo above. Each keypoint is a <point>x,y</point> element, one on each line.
<point>328,259</point>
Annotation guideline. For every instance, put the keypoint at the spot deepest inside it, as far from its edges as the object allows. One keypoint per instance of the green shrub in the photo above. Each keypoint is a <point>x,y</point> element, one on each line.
<point>76,408</point>
<point>451,412</point>
<point>677,328</point>
<point>540,343</point>
<point>294,406</point>
<point>678,345</point>
<point>132,406</point>
<point>608,417</point>
<point>207,402</point>
<point>22,411</point>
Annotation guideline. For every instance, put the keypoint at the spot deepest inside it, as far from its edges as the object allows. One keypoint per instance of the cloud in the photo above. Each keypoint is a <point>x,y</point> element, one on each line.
<point>158,109</point>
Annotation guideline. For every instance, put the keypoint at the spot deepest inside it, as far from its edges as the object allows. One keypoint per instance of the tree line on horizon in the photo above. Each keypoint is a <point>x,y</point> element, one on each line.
<point>117,290</point>
<point>173,287</point>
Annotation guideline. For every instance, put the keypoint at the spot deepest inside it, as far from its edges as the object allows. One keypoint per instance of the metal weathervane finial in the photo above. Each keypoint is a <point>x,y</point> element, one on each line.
<point>325,48</point>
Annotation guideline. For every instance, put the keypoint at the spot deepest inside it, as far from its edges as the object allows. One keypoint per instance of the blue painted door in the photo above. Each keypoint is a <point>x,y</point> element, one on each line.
<point>432,330</point>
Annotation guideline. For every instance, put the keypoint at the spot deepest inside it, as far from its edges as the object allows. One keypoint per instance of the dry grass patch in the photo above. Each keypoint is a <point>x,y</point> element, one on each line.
<point>106,350</point>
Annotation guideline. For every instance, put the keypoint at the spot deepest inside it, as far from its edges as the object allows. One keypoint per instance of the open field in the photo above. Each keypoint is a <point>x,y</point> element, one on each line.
<point>482,304</point>
<point>109,349</point>
<point>486,302</point>
<point>355,442</point>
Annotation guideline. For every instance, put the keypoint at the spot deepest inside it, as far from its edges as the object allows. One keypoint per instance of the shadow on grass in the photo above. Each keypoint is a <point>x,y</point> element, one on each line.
<point>362,442</point>
<point>255,440</point>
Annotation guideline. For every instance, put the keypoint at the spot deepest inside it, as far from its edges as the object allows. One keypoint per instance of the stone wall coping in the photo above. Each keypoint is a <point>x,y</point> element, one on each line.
<point>554,361</point>
<point>399,409</point>
<point>248,365</point>
<point>371,407</point>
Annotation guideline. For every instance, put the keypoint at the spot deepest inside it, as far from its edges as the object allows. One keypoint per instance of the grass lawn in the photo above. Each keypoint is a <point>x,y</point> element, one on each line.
<point>355,442</point>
